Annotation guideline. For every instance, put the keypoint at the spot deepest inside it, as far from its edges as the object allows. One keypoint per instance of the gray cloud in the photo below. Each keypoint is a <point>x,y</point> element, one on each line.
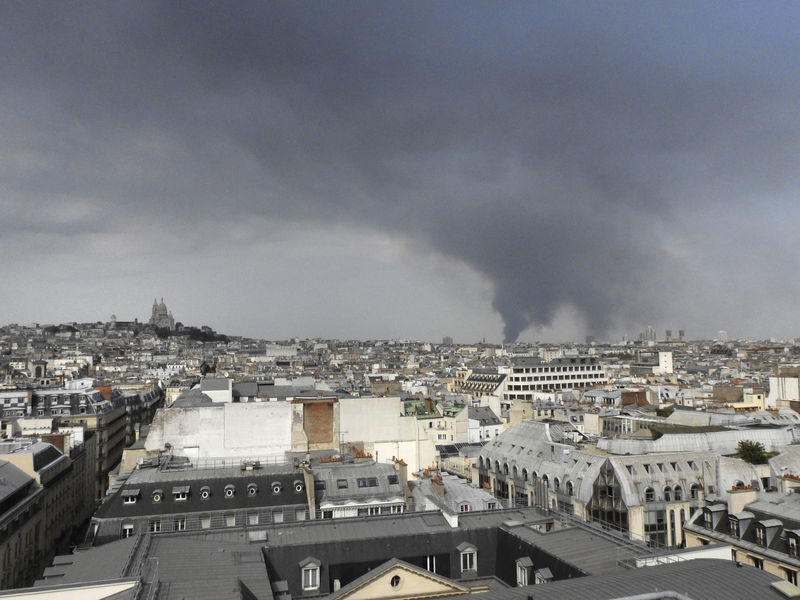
<point>547,146</point>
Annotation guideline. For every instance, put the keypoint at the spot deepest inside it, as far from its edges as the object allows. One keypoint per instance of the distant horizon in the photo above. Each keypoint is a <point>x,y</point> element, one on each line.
<point>659,340</point>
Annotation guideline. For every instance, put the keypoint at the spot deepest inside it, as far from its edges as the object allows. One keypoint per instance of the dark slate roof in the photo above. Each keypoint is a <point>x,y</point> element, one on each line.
<point>190,398</point>
<point>699,579</point>
<point>245,388</point>
<point>148,481</point>
<point>188,566</point>
<point>583,549</point>
<point>484,415</point>
<point>12,480</point>
<point>351,473</point>
<point>215,384</point>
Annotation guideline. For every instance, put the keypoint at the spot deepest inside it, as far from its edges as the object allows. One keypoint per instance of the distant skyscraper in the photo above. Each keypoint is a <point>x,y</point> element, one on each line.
<point>447,341</point>
<point>722,335</point>
<point>669,335</point>
<point>650,336</point>
<point>681,334</point>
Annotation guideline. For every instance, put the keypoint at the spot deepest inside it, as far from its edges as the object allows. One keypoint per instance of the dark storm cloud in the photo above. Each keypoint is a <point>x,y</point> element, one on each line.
<point>542,144</point>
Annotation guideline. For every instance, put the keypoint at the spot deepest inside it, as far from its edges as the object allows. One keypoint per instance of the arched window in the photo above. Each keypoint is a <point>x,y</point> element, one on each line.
<point>678,493</point>
<point>534,477</point>
<point>693,491</point>
<point>667,494</point>
<point>480,462</point>
<point>556,484</point>
<point>570,488</point>
<point>649,495</point>
<point>505,468</point>
<point>497,466</point>
<point>525,474</point>
<point>546,481</point>
<point>515,472</point>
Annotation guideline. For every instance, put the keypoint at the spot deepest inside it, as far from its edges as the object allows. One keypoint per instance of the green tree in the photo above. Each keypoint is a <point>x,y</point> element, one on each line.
<point>752,452</point>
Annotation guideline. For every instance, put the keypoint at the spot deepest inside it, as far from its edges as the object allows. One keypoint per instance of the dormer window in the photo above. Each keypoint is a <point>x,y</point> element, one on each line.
<point>469,557</point>
<point>791,540</point>
<point>524,570</point>
<point>230,491</point>
<point>649,495</point>
<point>276,487</point>
<point>309,569</point>
<point>130,496</point>
<point>733,524</point>
<point>157,496</point>
<point>298,487</point>
<point>180,492</point>
<point>761,536</point>
<point>252,489</point>
<point>205,492</point>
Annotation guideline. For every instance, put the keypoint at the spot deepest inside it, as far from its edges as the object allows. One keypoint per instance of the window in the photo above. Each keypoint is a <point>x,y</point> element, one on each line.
<point>393,480</point>
<point>395,581</point>
<point>667,494</point>
<point>300,514</point>
<point>708,521</point>
<point>757,562</point>
<point>155,526</point>
<point>693,491</point>
<point>277,517</point>
<point>157,495</point>
<point>127,530</point>
<point>277,487</point>
<point>298,487</point>
<point>319,486</point>
<point>468,561</point>
<point>205,492</point>
<point>649,495</point>
<point>761,536</point>
<point>129,499</point>
<point>372,482</point>
<point>180,492</point>
<point>180,524</point>
<point>310,578</point>
<point>678,493</point>
<point>733,525</point>
<point>524,568</point>
<point>252,489</point>
<point>464,508</point>
<point>230,491</point>
<point>491,505</point>
<point>791,575</point>
<point>430,563</point>
<point>205,522</point>
<point>341,484</point>
<point>230,520</point>
<point>792,542</point>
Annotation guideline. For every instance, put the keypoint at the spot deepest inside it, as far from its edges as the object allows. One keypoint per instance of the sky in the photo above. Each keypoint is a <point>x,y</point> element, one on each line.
<point>499,170</point>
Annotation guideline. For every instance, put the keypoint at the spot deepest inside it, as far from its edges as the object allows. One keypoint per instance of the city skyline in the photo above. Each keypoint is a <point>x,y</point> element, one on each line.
<point>510,171</point>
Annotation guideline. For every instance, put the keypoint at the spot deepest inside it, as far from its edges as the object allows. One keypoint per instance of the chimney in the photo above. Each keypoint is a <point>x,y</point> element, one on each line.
<point>308,480</point>
<point>402,474</point>
<point>438,486</point>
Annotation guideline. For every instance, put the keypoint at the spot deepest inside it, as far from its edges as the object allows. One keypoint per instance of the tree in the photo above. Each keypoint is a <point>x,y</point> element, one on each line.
<point>752,452</point>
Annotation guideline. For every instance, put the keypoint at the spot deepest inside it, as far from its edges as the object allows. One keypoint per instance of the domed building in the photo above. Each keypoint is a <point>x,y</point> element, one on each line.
<point>161,317</point>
